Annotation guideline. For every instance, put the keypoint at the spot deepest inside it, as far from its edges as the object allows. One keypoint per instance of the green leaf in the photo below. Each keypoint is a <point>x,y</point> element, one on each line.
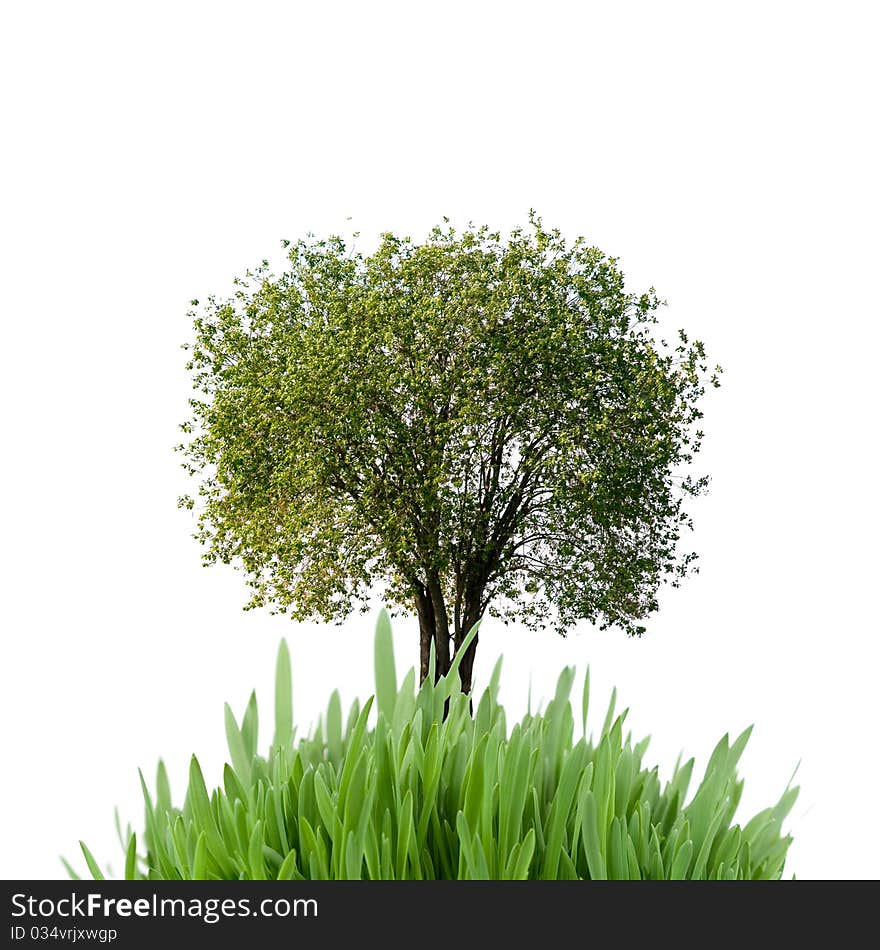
<point>200,859</point>
<point>232,783</point>
<point>201,805</point>
<point>585,701</point>
<point>682,861</point>
<point>163,788</point>
<point>154,838</point>
<point>609,716</point>
<point>326,808</point>
<point>283,698</point>
<point>334,728</point>
<point>592,840</point>
<point>250,727</point>
<point>524,858</point>
<point>131,858</point>
<point>238,748</point>
<point>91,862</point>
<point>256,862</point>
<point>353,858</point>
<point>386,676</point>
<point>405,833</point>
<point>289,870</point>
<point>558,818</point>
<point>472,851</point>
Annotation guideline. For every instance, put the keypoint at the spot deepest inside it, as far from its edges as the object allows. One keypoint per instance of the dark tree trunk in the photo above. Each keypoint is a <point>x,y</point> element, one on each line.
<point>427,627</point>
<point>441,625</point>
<point>471,616</point>
<point>433,628</point>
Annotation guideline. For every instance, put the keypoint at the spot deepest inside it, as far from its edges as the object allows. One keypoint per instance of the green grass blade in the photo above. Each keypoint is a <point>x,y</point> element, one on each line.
<point>386,675</point>
<point>131,858</point>
<point>585,702</point>
<point>283,698</point>
<point>204,816</point>
<point>288,870</point>
<point>524,859</point>
<point>163,787</point>
<point>91,862</point>
<point>459,656</point>
<point>250,727</point>
<point>238,750</point>
<point>433,789</point>
<point>200,859</point>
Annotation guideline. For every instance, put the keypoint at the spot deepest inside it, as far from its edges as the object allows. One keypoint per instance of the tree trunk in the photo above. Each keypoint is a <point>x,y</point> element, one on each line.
<point>471,616</point>
<point>433,628</point>
<point>441,626</point>
<point>427,627</point>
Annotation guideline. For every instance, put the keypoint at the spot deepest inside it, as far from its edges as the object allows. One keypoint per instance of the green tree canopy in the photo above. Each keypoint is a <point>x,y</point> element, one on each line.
<point>467,420</point>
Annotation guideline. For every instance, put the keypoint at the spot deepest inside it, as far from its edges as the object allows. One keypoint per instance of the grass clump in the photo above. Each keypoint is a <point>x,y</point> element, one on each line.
<point>420,796</point>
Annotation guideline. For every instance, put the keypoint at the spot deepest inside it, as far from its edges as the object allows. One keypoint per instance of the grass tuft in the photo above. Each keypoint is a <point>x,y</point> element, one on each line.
<point>408,794</point>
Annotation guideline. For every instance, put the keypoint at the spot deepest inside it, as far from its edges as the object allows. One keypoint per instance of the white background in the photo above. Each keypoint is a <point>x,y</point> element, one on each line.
<point>726,153</point>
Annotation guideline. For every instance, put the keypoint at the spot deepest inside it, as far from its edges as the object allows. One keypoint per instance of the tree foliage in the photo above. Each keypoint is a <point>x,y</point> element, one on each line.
<point>467,420</point>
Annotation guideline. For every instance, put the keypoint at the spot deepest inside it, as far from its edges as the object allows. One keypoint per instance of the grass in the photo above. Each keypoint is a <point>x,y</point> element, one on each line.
<point>415,795</point>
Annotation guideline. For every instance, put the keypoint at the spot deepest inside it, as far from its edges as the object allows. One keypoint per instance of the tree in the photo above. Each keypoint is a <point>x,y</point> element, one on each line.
<point>468,420</point>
